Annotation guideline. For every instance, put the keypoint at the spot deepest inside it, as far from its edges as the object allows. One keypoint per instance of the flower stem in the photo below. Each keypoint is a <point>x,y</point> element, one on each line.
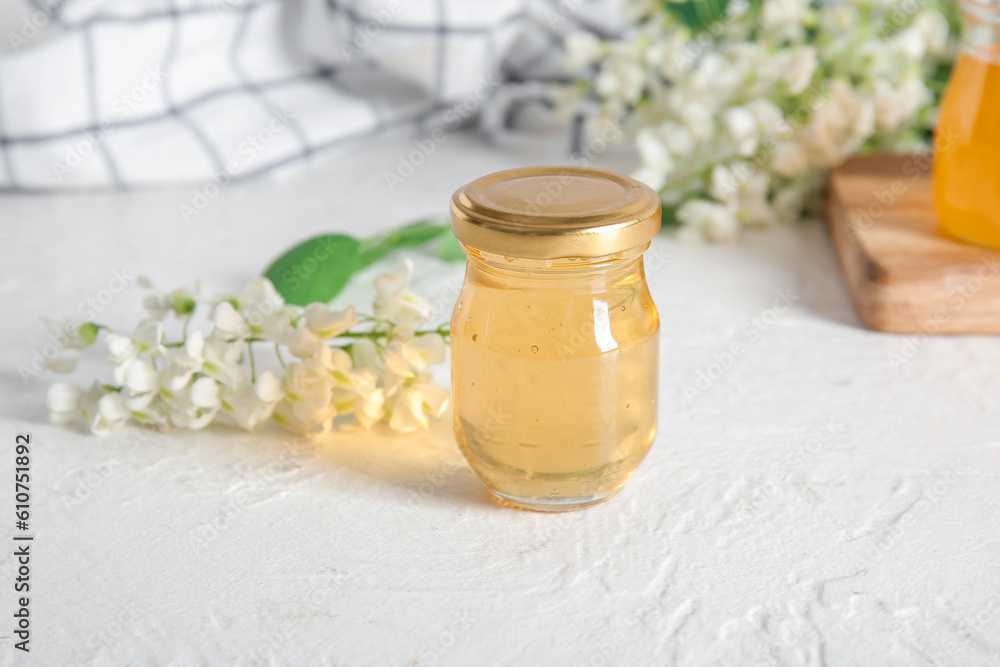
<point>377,320</point>
<point>184,330</point>
<point>253,366</point>
<point>375,335</point>
<point>277,351</point>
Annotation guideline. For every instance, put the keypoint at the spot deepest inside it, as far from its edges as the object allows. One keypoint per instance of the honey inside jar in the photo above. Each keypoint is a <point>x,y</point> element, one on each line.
<point>967,165</point>
<point>555,361</point>
<point>556,402</point>
<point>967,138</point>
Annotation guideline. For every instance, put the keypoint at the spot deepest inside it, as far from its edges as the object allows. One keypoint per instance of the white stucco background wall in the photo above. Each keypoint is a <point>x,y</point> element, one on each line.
<point>816,504</point>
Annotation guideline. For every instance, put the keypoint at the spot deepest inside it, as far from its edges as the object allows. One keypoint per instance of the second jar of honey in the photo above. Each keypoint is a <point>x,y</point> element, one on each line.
<point>555,338</point>
<point>967,139</point>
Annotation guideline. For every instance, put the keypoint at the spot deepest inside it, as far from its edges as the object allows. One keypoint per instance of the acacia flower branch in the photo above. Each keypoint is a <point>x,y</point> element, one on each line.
<point>380,376</point>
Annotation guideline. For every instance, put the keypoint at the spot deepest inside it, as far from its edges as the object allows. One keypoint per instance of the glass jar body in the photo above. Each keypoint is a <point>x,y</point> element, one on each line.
<point>967,142</point>
<point>555,374</point>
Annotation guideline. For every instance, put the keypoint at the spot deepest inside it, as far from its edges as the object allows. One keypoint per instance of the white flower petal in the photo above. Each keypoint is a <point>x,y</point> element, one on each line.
<point>65,360</point>
<point>244,407</point>
<point>148,337</point>
<point>408,411</point>
<point>653,151</point>
<point>222,360</point>
<point>63,330</point>
<point>308,382</point>
<point>302,343</point>
<point>121,348</point>
<point>582,49</point>
<point>802,66</point>
<point>339,360</point>
<point>435,399</point>
<point>195,346</point>
<point>714,221</point>
<point>141,377</point>
<point>261,297</point>
<point>269,387</point>
<point>790,159</point>
<point>205,393</point>
<point>742,128</point>
<point>650,177</point>
<point>231,322</point>
<point>365,354</point>
<point>391,290</point>
<point>329,323</point>
<point>432,347</point>
<point>371,408</point>
<point>140,402</point>
<point>111,408</point>
<point>156,305</point>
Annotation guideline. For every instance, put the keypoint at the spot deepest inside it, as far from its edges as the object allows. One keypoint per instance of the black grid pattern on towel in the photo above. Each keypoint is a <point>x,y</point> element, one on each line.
<point>544,44</point>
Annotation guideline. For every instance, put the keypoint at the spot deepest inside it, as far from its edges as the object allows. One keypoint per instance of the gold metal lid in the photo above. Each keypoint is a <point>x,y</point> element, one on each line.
<point>555,212</point>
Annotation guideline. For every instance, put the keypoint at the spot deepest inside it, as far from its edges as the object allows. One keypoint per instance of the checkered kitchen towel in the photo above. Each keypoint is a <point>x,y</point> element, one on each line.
<point>121,93</point>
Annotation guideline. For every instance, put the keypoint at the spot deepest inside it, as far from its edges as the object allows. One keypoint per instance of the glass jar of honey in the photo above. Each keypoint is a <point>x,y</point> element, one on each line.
<point>967,141</point>
<point>555,338</point>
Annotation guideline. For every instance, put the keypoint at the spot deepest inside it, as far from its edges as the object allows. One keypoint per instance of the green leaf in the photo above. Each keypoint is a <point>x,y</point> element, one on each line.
<point>699,15</point>
<point>668,216</point>
<point>315,270</point>
<point>88,332</point>
<point>449,249</point>
<point>409,236</point>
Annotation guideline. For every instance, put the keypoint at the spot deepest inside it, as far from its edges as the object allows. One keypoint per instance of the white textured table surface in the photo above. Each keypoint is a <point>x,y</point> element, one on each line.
<point>818,503</point>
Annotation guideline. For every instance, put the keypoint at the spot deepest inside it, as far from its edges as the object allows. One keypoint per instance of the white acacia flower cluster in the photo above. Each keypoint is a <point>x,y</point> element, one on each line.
<point>735,124</point>
<point>369,368</point>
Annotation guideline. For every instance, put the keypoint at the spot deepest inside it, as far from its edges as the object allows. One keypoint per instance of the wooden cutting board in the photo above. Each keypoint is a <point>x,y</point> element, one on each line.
<point>903,274</point>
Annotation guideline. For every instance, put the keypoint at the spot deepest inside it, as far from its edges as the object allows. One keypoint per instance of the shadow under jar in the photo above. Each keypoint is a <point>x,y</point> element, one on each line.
<point>555,338</point>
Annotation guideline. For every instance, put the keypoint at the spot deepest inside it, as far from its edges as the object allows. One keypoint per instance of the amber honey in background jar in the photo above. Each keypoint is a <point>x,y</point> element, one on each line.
<point>967,141</point>
<point>555,338</point>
